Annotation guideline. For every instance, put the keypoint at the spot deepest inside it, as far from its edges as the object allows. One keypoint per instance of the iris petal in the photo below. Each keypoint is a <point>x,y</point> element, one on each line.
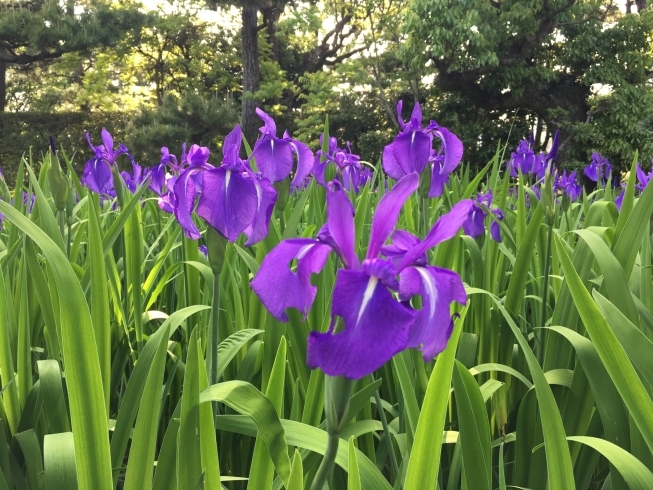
<point>279,287</point>
<point>376,327</point>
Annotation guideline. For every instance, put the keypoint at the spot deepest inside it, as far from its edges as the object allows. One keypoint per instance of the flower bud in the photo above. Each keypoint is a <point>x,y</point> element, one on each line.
<point>5,195</point>
<point>283,190</point>
<point>216,245</point>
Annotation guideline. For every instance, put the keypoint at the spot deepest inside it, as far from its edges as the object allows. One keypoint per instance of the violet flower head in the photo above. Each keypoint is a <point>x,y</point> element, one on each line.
<point>643,180</point>
<point>524,159</point>
<point>474,226</point>
<point>568,185</point>
<point>412,151</point>
<point>347,166</point>
<point>275,157</point>
<point>97,174</point>
<point>599,168</point>
<point>233,199</point>
<point>368,324</point>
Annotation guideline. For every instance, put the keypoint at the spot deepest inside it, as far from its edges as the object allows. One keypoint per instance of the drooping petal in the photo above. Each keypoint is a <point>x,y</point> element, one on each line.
<point>376,327</point>
<point>266,197</point>
<point>97,175</point>
<point>495,231</point>
<point>340,224</point>
<point>438,289</point>
<point>279,287</point>
<point>157,176</point>
<point>185,192</point>
<point>445,228</point>
<point>452,149</point>
<point>304,163</point>
<point>274,158</point>
<point>591,172</point>
<point>387,212</point>
<point>475,224</point>
<point>228,202</point>
<point>439,179</point>
<point>411,151</point>
<point>390,164</point>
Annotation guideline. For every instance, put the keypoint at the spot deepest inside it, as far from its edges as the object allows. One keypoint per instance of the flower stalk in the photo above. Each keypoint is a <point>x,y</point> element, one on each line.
<point>336,404</point>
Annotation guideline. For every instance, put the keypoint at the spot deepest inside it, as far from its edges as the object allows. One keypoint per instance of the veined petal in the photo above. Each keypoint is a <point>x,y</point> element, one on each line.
<point>273,158</point>
<point>475,224</point>
<point>411,151</point>
<point>445,228</point>
<point>185,192</point>
<point>438,289</point>
<point>376,327</point>
<point>390,164</point>
<point>158,178</point>
<point>340,222</point>
<point>453,149</point>
<point>387,212</point>
<point>279,287</point>
<point>304,163</point>
<point>228,202</point>
<point>266,196</point>
<point>231,146</point>
<point>97,175</point>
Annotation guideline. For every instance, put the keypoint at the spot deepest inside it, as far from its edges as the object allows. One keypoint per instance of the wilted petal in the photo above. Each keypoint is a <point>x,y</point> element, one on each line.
<point>376,327</point>
<point>266,196</point>
<point>411,151</point>
<point>228,202</point>
<point>438,289</point>
<point>274,158</point>
<point>279,287</point>
<point>445,228</point>
<point>387,212</point>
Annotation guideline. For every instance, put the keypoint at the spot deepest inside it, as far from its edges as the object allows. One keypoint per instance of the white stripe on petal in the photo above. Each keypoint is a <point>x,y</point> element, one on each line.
<point>227,178</point>
<point>304,250</point>
<point>431,290</point>
<point>367,296</point>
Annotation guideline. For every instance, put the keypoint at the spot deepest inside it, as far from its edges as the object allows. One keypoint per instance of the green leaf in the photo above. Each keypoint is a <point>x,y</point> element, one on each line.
<point>636,474</point>
<point>59,461</point>
<point>296,481</point>
<point>474,430</point>
<point>353,478</point>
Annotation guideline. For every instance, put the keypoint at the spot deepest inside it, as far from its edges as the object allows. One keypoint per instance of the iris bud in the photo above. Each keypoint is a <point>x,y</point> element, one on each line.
<point>425,182</point>
<point>216,245</point>
<point>5,195</point>
<point>283,191</point>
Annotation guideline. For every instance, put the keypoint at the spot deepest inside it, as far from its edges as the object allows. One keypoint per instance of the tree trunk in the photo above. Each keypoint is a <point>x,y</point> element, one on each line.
<point>271,16</point>
<point>251,73</point>
<point>3,85</point>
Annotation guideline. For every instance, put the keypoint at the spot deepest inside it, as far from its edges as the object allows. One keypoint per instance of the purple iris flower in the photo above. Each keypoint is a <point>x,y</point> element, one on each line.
<point>349,170</point>
<point>569,185</point>
<point>97,174</point>
<point>368,325</point>
<point>599,168</point>
<point>136,178</point>
<point>233,200</point>
<point>643,180</point>
<point>474,226</point>
<point>412,151</point>
<point>203,250</point>
<point>275,157</point>
<point>525,160</point>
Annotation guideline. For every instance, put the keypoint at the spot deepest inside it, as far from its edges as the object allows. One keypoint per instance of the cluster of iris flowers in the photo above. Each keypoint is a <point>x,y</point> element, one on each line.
<point>371,296</point>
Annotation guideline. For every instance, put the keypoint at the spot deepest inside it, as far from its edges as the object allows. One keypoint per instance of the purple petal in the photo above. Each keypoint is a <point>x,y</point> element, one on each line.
<point>402,242</point>
<point>387,212</point>
<point>280,288</point>
<point>445,228</point>
<point>97,175</point>
<point>591,172</point>
<point>185,192</point>
<point>390,164</point>
<point>475,224</point>
<point>266,198</point>
<point>416,116</point>
<point>274,158</point>
<point>304,163</point>
<point>376,327</point>
<point>269,127</point>
<point>166,202</point>
<point>438,180</point>
<point>107,140</point>
<point>197,155</point>
<point>438,289</point>
<point>158,178</point>
<point>495,231</point>
<point>231,146</point>
<point>452,149</point>
<point>411,151</point>
<point>340,224</point>
<point>400,106</point>
<point>228,202</point>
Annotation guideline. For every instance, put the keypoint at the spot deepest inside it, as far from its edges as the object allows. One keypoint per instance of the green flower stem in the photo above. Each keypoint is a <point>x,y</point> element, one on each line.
<point>336,405</point>
<point>545,289</point>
